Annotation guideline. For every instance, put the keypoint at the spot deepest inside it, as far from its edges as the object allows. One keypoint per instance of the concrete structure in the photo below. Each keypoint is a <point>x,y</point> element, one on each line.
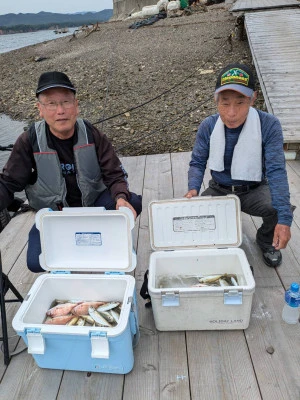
<point>122,8</point>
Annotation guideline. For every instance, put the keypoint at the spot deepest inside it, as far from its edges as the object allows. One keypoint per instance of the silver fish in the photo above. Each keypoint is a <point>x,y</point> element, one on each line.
<point>210,278</point>
<point>234,282</point>
<point>97,317</point>
<point>200,285</point>
<point>73,321</point>
<point>115,315</point>
<point>108,306</point>
<point>80,322</point>
<point>223,282</point>
<point>88,319</point>
<point>107,315</point>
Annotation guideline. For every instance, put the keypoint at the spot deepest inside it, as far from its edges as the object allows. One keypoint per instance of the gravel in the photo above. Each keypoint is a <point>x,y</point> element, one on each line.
<point>174,61</point>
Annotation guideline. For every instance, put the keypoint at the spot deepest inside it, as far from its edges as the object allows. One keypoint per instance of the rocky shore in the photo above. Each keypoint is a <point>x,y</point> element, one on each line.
<point>117,69</point>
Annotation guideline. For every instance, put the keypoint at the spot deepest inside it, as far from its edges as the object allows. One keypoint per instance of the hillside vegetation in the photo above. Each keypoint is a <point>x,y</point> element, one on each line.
<point>43,20</point>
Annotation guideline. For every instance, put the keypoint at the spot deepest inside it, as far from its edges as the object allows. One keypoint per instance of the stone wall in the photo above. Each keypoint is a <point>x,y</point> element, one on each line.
<point>122,8</point>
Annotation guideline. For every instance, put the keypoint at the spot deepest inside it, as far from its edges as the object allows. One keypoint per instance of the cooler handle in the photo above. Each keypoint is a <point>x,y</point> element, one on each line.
<point>233,297</point>
<point>100,345</point>
<point>36,342</point>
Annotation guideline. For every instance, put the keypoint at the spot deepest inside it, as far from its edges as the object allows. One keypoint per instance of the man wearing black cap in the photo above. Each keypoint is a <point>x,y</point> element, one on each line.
<point>244,150</point>
<point>63,161</point>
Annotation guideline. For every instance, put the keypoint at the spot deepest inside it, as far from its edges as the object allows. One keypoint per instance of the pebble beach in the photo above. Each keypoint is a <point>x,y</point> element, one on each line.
<point>147,89</point>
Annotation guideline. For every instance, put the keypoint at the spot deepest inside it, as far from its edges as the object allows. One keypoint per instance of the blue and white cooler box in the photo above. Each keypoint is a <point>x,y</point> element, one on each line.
<point>198,237</point>
<point>86,241</point>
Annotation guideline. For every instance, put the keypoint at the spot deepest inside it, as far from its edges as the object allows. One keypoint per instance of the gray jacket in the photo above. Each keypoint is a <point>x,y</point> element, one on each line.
<point>49,190</point>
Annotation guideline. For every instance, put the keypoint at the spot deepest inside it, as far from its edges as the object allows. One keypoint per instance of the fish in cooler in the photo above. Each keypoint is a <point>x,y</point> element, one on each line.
<point>186,281</point>
<point>83,313</point>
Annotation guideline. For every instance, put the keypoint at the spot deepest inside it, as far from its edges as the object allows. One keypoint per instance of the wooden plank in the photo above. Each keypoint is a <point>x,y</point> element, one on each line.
<point>180,167</point>
<point>80,385</point>
<point>277,64</point>
<point>277,373</point>
<point>149,378</point>
<point>14,238</point>
<point>228,370</point>
<point>135,168</point>
<point>174,374</point>
<point>23,379</point>
<point>241,5</point>
<point>220,366</point>
<point>173,366</point>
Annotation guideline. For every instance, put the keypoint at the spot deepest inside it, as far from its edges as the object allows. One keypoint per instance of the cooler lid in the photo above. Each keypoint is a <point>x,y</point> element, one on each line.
<point>199,222</point>
<point>86,239</point>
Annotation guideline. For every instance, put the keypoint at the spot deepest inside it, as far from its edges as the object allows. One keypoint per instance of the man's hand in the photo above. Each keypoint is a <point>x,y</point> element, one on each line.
<point>124,203</point>
<point>191,193</point>
<point>282,235</point>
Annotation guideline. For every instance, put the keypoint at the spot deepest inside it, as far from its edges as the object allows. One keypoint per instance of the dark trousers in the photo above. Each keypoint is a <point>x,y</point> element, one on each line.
<point>104,200</point>
<point>256,202</point>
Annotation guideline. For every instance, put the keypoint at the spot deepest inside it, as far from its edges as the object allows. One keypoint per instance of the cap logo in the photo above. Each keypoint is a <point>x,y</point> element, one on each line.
<point>236,76</point>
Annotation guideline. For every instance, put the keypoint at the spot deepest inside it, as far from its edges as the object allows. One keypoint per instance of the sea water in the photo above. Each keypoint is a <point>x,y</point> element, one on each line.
<point>18,40</point>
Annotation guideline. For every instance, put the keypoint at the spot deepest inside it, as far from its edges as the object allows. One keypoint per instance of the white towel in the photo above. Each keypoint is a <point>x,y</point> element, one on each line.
<point>247,155</point>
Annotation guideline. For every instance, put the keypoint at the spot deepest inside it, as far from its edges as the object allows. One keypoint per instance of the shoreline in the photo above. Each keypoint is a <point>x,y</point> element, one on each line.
<point>116,68</point>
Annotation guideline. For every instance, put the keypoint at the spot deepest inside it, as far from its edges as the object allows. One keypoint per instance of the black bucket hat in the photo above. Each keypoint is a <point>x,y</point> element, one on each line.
<point>54,79</point>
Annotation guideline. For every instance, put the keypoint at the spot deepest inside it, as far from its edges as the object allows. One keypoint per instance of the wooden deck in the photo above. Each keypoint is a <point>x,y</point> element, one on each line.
<point>174,365</point>
<point>274,38</point>
<point>252,5</point>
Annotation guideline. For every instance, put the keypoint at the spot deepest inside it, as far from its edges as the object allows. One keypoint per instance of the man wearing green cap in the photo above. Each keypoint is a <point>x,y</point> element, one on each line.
<point>244,151</point>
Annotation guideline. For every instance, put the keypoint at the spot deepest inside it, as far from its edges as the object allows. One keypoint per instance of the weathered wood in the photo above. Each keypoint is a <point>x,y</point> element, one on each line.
<point>157,185</point>
<point>277,373</point>
<point>25,380</point>
<point>276,58</point>
<point>246,5</point>
<point>220,366</point>
<point>174,365</point>
<point>80,385</point>
<point>14,238</point>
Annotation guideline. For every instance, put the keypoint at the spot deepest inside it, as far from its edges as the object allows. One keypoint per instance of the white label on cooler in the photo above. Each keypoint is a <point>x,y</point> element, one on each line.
<point>194,223</point>
<point>88,239</point>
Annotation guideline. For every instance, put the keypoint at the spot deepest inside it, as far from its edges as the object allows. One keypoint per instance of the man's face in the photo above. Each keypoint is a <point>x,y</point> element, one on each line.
<point>59,108</point>
<point>233,107</point>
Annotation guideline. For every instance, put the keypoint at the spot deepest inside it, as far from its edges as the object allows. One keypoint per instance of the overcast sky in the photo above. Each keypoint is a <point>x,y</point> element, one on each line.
<point>55,6</point>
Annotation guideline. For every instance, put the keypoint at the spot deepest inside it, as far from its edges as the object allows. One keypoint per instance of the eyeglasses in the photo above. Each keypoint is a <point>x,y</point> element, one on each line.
<point>52,105</point>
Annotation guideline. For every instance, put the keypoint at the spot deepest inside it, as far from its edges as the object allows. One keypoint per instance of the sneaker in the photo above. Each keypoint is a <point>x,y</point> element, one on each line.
<point>272,257</point>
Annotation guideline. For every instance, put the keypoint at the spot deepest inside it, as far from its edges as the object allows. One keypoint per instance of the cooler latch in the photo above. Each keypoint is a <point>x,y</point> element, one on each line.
<point>170,299</point>
<point>100,345</point>
<point>36,342</point>
<point>234,297</point>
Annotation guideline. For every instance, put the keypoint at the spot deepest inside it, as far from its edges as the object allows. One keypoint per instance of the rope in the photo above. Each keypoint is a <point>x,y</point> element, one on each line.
<point>164,126</point>
<point>168,90</point>
<point>109,75</point>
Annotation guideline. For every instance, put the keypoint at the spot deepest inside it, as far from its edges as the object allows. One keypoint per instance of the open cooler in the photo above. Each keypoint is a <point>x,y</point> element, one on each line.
<point>194,239</point>
<point>86,241</point>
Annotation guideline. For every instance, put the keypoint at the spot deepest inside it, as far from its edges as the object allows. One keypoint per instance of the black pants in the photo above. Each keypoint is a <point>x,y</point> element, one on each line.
<point>256,202</point>
<point>104,200</point>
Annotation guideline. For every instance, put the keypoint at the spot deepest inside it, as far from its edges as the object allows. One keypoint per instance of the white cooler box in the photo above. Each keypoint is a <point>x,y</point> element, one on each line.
<point>196,237</point>
<point>82,240</point>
